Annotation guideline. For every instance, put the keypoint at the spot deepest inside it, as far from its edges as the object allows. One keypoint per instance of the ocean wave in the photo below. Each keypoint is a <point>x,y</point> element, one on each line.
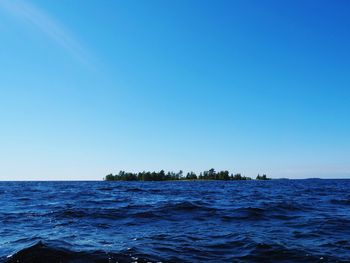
<point>42,253</point>
<point>340,201</point>
<point>87,213</point>
<point>253,252</point>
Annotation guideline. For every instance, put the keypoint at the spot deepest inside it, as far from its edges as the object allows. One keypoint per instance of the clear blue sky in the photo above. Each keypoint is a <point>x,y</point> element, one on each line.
<point>93,87</point>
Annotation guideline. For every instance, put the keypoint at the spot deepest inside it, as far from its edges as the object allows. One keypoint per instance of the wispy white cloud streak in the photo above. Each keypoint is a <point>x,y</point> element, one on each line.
<point>40,19</point>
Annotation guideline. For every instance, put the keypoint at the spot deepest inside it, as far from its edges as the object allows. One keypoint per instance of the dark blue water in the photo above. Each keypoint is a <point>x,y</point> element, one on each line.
<point>210,221</point>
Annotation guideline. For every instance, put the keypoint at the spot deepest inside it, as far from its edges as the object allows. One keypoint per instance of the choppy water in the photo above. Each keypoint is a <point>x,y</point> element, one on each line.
<point>235,221</point>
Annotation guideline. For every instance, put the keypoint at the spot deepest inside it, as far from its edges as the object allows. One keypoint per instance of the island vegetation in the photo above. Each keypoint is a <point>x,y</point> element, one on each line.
<point>179,176</point>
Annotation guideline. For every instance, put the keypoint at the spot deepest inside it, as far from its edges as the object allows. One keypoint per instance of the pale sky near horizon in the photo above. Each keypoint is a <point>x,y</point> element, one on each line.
<point>92,87</point>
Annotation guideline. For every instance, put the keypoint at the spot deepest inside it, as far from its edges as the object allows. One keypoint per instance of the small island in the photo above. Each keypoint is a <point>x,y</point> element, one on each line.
<point>179,176</point>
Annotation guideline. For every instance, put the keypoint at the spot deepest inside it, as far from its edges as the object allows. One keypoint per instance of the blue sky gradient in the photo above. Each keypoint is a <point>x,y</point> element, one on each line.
<point>93,87</point>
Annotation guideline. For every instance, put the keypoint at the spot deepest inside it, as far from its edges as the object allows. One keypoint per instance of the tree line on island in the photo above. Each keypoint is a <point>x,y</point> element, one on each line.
<point>171,176</point>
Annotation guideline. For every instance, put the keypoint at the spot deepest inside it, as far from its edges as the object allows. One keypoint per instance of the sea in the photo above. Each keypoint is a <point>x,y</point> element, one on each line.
<point>175,221</point>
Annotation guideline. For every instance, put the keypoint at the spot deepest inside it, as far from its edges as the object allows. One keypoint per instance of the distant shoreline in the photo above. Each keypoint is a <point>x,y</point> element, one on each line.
<point>210,175</point>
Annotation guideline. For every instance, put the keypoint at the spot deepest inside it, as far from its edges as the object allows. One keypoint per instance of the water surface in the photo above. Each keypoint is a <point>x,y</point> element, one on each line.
<point>199,221</point>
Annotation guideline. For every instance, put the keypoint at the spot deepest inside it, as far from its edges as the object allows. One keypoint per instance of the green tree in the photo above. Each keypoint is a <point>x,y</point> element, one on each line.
<point>109,177</point>
<point>191,176</point>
